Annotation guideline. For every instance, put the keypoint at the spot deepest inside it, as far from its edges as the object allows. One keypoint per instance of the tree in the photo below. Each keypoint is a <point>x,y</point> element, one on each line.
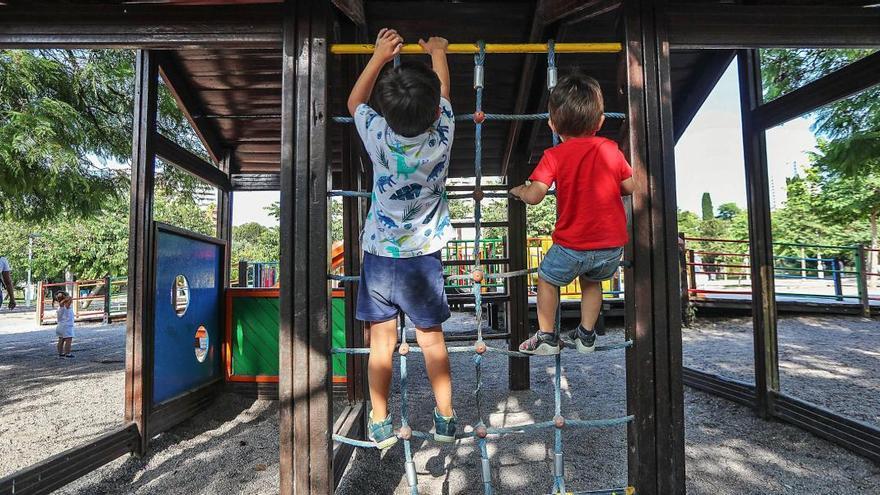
<point>727,211</point>
<point>707,209</point>
<point>65,126</point>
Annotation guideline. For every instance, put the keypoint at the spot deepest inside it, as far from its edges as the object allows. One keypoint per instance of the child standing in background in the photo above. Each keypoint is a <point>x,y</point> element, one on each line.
<point>408,223</point>
<point>64,327</point>
<point>590,174</point>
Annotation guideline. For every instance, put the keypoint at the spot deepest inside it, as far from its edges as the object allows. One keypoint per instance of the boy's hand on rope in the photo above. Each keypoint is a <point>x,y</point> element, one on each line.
<point>435,44</point>
<point>388,44</point>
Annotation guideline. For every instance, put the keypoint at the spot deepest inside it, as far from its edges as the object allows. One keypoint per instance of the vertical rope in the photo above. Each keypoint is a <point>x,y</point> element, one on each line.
<point>397,60</point>
<point>479,60</point>
<point>404,418</point>
<point>558,460</point>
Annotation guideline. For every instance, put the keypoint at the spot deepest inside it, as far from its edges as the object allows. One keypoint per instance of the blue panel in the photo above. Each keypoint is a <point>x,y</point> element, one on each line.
<point>175,367</point>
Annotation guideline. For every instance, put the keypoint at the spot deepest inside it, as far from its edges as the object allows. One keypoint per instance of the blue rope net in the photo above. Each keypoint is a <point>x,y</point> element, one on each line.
<point>480,431</point>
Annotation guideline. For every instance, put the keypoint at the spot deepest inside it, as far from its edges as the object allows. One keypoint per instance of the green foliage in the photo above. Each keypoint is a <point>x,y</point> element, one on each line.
<point>65,128</point>
<point>727,211</point>
<point>541,218</point>
<point>91,247</point>
<point>707,209</point>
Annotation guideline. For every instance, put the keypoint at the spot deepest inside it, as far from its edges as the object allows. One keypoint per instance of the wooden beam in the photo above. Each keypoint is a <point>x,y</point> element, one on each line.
<point>572,11</point>
<point>50,25</point>
<point>653,306</point>
<point>524,90</point>
<point>760,235</point>
<point>139,331</point>
<point>192,106</point>
<point>256,182</point>
<point>191,163</point>
<point>708,25</point>
<point>354,10</point>
<point>855,77</point>
<point>712,67</point>
<point>224,218</point>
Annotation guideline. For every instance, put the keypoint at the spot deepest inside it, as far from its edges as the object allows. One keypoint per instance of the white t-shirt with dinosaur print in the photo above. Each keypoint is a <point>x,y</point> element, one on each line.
<point>409,213</point>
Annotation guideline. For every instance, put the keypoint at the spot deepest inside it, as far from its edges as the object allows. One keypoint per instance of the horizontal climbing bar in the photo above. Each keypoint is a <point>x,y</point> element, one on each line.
<point>609,491</point>
<point>460,349</point>
<point>349,194</point>
<point>502,117</point>
<point>472,48</point>
<point>343,278</point>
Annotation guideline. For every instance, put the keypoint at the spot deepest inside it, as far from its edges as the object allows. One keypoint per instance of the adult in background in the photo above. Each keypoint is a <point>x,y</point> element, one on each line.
<point>6,278</point>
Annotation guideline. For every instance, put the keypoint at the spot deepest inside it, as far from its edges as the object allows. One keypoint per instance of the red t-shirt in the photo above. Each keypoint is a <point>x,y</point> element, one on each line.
<point>587,172</point>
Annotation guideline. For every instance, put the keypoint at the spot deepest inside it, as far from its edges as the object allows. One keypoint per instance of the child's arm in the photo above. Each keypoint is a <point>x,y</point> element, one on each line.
<point>531,193</point>
<point>627,187</point>
<point>436,48</point>
<point>388,45</point>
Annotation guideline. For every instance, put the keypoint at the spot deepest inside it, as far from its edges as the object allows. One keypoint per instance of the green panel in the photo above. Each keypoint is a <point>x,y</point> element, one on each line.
<point>337,319</point>
<point>255,336</point>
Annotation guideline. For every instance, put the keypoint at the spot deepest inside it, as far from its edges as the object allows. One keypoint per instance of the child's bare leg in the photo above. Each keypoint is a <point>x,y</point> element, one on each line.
<point>67,343</point>
<point>433,347</point>
<point>60,346</point>
<point>591,303</point>
<point>548,300</point>
<point>383,339</point>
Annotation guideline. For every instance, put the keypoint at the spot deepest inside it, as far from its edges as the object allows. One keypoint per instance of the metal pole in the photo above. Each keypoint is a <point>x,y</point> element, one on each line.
<point>862,281</point>
<point>29,290</point>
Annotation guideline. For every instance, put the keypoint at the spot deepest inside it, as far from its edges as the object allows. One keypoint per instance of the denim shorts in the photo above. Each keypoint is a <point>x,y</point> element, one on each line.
<point>561,265</point>
<point>414,286</point>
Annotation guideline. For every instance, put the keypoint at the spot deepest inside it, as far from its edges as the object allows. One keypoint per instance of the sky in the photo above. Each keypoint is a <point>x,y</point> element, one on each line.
<point>709,156</point>
<point>249,206</point>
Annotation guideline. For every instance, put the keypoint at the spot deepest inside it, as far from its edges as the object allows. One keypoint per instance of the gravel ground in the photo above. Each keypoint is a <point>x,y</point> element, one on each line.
<point>832,361</point>
<point>49,404</point>
<point>233,447</point>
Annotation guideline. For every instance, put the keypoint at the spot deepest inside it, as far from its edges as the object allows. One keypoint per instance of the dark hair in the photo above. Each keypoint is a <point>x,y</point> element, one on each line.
<point>408,96</point>
<point>576,105</point>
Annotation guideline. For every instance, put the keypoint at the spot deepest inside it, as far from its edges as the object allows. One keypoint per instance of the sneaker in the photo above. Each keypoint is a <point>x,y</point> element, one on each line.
<point>382,433</point>
<point>68,355</point>
<point>583,341</point>
<point>541,344</point>
<point>444,427</point>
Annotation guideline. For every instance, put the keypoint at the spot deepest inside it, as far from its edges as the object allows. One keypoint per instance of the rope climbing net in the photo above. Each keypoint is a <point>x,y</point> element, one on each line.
<point>479,429</point>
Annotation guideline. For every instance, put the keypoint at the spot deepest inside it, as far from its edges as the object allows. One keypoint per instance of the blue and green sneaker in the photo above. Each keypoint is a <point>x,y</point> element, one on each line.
<point>382,433</point>
<point>444,427</point>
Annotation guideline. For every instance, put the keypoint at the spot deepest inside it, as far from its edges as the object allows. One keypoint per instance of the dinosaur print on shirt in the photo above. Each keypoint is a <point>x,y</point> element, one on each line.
<point>409,211</point>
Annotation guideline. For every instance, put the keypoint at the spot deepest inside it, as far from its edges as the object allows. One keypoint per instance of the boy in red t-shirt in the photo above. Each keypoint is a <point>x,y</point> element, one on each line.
<point>590,174</point>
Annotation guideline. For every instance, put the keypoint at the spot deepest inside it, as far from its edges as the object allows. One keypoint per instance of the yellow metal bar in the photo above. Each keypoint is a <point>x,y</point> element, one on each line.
<point>471,48</point>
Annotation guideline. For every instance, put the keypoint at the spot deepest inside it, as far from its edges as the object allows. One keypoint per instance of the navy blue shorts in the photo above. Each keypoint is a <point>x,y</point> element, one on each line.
<point>414,286</point>
<point>561,265</point>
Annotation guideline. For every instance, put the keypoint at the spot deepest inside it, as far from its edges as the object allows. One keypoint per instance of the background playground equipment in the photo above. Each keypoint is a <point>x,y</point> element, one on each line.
<point>93,300</point>
<point>713,271</point>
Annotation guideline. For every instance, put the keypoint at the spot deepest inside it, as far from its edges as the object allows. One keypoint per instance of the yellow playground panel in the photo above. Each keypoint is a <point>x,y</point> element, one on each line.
<point>538,246</point>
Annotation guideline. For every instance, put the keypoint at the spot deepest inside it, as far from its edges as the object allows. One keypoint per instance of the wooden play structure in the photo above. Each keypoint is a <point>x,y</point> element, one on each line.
<point>262,83</point>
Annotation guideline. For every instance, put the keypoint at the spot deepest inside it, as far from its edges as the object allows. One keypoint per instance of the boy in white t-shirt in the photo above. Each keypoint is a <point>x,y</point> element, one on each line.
<point>64,327</point>
<point>409,141</point>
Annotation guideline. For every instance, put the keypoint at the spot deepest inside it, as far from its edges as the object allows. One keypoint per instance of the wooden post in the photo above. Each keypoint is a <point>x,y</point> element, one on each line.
<point>224,218</point>
<point>684,278</point>
<point>242,273</point>
<point>305,416</point>
<point>139,332</point>
<point>692,273</point>
<point>838,282</point>
<point>518,291</point>
<point>653,305</point>
<point>862,280</point>
<point>107,299</point>
<point>352,213</point>
<point>760,234</point>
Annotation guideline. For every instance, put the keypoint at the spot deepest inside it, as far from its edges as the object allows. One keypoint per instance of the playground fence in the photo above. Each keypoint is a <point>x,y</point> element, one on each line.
<point>101,299</point>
